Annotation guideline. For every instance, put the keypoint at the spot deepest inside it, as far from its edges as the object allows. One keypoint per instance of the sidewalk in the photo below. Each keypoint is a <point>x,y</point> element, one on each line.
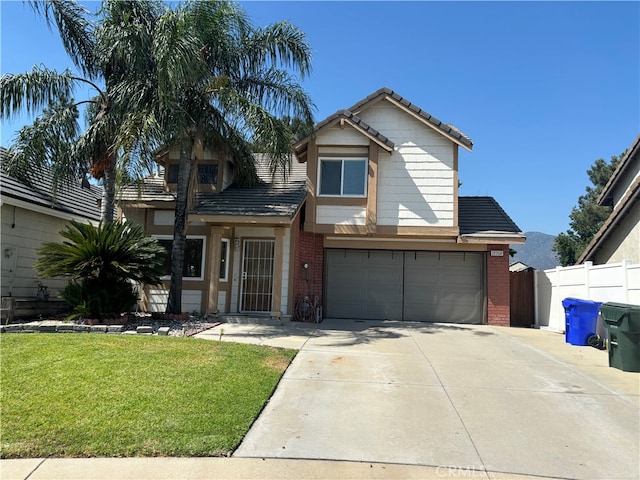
<point>228,469</point>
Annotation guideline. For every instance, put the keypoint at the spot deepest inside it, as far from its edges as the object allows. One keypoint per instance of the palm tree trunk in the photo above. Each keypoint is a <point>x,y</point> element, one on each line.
<point>174,303</point>
<point>109,195</point>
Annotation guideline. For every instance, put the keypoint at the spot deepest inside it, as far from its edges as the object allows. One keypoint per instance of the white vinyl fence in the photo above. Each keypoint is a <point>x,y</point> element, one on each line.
<point>616,282</point>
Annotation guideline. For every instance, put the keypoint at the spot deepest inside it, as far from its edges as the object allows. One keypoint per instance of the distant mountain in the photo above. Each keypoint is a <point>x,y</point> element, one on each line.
<point>536,252</point>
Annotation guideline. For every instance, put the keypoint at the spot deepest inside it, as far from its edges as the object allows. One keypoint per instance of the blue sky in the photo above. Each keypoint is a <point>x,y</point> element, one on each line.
<point>542,88</point>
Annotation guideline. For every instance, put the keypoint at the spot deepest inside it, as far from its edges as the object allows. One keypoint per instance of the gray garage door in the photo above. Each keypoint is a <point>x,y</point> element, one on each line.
<point>405,285</point>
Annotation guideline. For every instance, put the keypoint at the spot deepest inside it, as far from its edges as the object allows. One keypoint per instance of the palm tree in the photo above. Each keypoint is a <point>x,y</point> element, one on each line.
<point>55,139</point>
<point>231,89</point>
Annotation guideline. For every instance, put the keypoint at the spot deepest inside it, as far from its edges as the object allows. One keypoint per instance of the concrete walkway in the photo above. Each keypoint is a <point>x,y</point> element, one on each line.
<point>397,400</point>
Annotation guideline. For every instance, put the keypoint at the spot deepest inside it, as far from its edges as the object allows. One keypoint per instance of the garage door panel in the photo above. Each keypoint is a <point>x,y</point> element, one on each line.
<point>364,284</point>
<point>444,287</point>
<point>410,285</point>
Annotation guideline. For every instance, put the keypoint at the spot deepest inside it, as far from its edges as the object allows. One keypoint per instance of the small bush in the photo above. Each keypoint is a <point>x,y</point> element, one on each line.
<point>99,302</point>
<point>103,261</point>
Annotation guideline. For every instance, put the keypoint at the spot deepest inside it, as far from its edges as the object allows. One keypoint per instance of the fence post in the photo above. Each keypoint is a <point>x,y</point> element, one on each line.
<point>587,283</point>
<point>625,278</point>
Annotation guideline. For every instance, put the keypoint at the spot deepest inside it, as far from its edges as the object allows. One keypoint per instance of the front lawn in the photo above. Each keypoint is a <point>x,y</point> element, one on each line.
<point>76,395</point>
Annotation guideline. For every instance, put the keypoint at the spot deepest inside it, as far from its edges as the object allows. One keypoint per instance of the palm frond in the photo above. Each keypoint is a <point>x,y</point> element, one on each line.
<point>46,144</point>
<point>75,28</point>
<point>34,90</point>
<point>109,251</point>
<point>277,91</point>
<point>280,44</point>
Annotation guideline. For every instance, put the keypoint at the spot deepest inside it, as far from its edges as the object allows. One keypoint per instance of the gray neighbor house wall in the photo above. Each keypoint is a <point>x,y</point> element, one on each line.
<point>29,216</point>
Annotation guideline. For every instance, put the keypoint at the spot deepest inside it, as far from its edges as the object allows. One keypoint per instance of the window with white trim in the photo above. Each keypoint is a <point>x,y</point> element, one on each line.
<point>224,260</point>
<point>194,255</point>
<point>343,177</point>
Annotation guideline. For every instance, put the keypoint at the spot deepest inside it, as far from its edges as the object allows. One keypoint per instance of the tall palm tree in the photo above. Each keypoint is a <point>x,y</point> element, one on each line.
<point>55,138</point>
<point>232,88</point>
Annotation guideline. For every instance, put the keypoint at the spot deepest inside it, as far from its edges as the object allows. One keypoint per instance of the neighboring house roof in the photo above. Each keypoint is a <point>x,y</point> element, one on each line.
<point>272,197</point>
<point>483,216</point>
<point>624,206</point>
<point>71,200</point>
<point>615,218</point>
<point>519,267</point>
<point>606,196</point>
<point>351,114</point>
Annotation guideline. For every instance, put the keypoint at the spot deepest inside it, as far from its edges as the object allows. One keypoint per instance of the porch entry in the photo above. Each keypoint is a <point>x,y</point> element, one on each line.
<point>256,288</point>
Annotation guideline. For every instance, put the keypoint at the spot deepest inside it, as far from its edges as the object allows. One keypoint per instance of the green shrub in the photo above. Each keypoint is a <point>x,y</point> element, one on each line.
<point>99,302</point>
<point>102,262</point>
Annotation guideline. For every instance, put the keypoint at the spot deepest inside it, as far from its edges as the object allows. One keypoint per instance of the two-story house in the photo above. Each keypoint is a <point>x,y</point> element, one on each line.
<point>369,222</point>
<point>384,215</point>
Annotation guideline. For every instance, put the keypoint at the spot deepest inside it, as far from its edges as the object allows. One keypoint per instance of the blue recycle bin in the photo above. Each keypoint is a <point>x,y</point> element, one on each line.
<point>580,320</point>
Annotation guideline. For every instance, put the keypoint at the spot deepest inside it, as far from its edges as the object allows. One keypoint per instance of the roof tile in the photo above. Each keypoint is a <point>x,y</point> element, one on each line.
<point>71,198</point>
<point>483,214</point>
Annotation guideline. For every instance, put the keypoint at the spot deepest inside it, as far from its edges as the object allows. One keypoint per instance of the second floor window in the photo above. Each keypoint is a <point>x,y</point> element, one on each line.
<point>343,177</point>
<point>207,174</point>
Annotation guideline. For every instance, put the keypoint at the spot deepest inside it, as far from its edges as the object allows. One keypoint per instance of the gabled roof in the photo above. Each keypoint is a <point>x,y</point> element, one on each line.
<point>519,267</point>
<point>272,197</point>
<point>616,217</point>
<point>445,129</point>
<point>151,189</point>
<point>624,206</point>
<point>345,116</point>
<point>351,116</point>
<point>73,199</point>
<point>484,217</point>
<point>606,196</point>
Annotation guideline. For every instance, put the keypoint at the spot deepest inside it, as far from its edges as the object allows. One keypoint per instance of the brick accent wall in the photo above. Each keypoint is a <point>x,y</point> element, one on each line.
<point>309,250</point>
<point>498,292</point>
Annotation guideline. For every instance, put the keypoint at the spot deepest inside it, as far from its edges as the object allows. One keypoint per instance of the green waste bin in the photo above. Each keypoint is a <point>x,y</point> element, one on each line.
<point>623,325</point>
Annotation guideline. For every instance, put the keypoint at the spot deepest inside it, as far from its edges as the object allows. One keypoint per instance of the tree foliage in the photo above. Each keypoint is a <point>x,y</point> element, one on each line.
<point>210,78</point>
<point>197,73</point>
<point>588,216</point>
<point>55,139</point>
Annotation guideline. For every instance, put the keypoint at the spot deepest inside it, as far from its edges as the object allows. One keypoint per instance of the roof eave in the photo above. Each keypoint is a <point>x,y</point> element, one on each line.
<point>614,219</point>
<point>300,147</point>
<point>607,191</point>
<point>511,238</point>
<point>237,220</point>
<point>427,119</point>
<point>47,209</point>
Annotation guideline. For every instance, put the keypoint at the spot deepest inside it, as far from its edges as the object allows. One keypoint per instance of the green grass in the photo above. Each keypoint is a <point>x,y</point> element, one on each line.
<point>77,395</point>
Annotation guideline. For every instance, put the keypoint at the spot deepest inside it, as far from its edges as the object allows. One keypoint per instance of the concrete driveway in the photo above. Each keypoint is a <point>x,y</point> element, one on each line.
<point>467,400</point>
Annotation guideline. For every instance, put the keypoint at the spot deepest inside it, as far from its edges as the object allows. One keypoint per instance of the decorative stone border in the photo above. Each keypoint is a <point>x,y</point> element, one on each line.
<point>65,327</point>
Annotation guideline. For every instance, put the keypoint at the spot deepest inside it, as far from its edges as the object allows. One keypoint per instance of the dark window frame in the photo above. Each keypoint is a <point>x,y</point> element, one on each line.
<point>207,173</point>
